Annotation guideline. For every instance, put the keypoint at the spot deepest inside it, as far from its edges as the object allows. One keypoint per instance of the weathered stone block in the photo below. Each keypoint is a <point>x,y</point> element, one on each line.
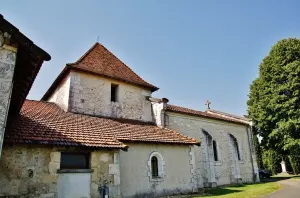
<point>55,157</point>
<point>114,169</point>
<point>104,157</point>
<point>53,167</point>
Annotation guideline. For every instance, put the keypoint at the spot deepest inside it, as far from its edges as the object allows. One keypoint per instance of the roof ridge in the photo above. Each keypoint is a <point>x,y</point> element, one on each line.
<point>86,53</point>
<point>227,114</point>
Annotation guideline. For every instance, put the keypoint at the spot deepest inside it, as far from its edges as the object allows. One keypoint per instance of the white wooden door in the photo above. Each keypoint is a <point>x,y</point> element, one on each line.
<point>74,185</point>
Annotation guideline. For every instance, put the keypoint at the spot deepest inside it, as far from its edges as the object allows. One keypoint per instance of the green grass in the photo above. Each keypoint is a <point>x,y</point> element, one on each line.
<point>244,191</point>
<point>296,177</point>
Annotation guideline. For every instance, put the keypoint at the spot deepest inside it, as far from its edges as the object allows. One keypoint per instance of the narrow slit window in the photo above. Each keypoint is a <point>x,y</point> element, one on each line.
<point>215,148</point>
<point>114,93</point>
<point>154,166</point>
<point>237,149</point>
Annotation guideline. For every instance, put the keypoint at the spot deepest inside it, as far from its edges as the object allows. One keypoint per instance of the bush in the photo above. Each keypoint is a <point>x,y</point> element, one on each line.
<point>294,159</point>
<point>271,161</point>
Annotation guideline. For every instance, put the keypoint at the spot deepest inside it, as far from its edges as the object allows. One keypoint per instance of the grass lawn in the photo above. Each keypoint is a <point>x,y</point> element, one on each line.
<point>296,177</point>
<point>242,191</point>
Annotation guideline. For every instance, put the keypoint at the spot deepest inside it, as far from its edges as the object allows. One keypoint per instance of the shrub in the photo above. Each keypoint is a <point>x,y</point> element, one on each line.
<point>294,159</point>
<point>271,161</point>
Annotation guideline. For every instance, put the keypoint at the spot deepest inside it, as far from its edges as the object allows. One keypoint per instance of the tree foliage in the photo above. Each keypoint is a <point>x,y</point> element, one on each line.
<point>271,161</point>
<point>274,99</point>
<point>294,159</point>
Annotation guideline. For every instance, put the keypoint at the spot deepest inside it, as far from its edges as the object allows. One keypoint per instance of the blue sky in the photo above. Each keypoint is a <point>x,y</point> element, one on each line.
<point>193,50</point>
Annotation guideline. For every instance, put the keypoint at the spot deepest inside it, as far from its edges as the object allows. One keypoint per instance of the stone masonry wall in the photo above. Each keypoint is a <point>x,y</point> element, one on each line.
<point>7,65</point>
<point>90,94</point>
<point>106,171</point>
<point>223,170</point>
<point>28,171</point>
<point>31,171</point>
<point>61,94</point>
<point>177,170</point>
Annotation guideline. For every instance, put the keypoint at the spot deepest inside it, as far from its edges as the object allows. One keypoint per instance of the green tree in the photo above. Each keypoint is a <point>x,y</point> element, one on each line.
<point>274,99</point>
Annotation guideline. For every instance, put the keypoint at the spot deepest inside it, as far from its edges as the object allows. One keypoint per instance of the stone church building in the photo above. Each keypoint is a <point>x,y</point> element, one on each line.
<point>98,127</point>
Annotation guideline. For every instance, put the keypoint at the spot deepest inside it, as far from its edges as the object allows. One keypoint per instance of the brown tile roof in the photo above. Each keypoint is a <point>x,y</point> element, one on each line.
<point>183,110</point>
<point>100,61</point>
<point>45,123</point>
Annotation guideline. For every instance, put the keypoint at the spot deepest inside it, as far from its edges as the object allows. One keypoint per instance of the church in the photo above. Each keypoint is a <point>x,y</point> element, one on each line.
<point>99,130</point>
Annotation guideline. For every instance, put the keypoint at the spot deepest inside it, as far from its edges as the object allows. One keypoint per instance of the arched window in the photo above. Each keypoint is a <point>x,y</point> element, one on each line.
<point>236,146</point>
<point>215,148</point>
<point>154,166</point>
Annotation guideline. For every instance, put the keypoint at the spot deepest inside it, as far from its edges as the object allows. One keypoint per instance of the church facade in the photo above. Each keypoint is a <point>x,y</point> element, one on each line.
<point>99,130</point>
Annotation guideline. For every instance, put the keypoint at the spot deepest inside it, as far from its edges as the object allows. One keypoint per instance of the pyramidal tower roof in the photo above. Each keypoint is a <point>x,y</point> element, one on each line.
<point>100,61</point>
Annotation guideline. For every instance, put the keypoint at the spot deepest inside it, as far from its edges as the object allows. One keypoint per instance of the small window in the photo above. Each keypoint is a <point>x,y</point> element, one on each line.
<point>215,148</point>
<point>154,166</point>
<point>114,93</point>
<point>75,161</point>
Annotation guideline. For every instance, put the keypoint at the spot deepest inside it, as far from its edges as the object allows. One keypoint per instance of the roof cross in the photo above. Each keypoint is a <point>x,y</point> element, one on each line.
<point>207,104</point>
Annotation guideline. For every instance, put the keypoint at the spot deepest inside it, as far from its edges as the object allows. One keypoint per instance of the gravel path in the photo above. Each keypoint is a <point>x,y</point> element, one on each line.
<point>290,189</point>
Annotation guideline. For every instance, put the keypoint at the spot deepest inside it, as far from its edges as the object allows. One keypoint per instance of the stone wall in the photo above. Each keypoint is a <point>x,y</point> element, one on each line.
<point>7,65</point>
<point>28,171</point>
<point>106,170</point>
<point>90,94</point>
<point>177,171</point>
<point>61,95</point>
<point>31,171</point>
<point>228,169</point>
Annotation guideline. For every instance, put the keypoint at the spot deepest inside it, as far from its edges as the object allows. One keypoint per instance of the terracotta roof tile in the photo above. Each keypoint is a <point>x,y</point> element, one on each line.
<point>183,110</point>
<point>46,123</point>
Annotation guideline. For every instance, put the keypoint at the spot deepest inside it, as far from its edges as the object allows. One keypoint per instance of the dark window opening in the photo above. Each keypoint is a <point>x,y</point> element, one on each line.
<point>154,166</point>
<point>236,147</point>
<point>114,94</point>
<point>215,150</point>
<point>75,161</point>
